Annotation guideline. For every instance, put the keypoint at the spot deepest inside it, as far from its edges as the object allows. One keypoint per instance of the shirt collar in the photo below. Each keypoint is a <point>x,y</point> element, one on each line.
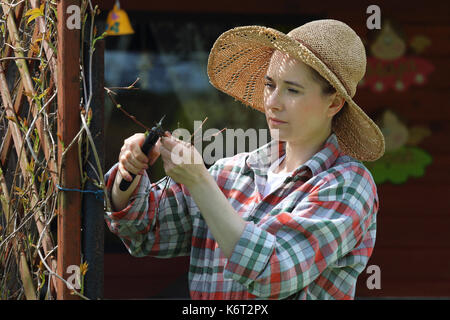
<point>260,159</point>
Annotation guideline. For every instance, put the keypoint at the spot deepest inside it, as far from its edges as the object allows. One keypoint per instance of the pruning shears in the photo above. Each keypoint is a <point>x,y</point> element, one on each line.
<point>154,134</point>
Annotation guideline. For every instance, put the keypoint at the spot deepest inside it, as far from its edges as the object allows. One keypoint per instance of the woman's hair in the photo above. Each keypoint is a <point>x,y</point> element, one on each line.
<point>327,88</point>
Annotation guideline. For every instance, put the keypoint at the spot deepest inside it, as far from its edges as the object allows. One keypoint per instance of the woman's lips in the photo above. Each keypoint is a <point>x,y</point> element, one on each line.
<point>275,121</point>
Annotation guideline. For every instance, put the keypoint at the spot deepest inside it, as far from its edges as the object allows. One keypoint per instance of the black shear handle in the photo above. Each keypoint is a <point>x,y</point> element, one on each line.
<point>149,143</point>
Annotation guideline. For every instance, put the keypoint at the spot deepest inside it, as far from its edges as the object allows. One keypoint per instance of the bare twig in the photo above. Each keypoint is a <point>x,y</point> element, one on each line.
<point>119,106</point>
<point>97,160</point>
<point>32,203</point>
<point>130,87</point>
<point>17,58</point>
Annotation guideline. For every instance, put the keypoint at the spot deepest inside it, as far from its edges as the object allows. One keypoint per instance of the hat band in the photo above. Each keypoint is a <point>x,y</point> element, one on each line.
<point>325,63</point>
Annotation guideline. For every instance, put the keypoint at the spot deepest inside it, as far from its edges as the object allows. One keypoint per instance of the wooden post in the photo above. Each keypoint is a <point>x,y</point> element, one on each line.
<point>69,203</point>
<point>93,210</point>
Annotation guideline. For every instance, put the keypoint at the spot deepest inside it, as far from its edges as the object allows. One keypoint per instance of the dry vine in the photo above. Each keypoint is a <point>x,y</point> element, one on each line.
<point>29,185</point>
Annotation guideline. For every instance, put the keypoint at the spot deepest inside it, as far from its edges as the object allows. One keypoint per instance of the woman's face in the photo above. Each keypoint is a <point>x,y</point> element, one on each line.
<point>296,110</point>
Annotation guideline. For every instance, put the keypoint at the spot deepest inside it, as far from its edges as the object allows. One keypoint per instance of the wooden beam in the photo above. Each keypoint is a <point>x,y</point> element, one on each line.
<point>68,112</point>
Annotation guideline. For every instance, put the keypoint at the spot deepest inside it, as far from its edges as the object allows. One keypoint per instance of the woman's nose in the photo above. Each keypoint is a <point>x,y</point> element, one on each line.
<point>272,99</point>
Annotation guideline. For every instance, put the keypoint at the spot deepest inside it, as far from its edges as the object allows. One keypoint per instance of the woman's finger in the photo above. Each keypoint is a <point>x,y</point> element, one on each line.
<point>168,142</point>
<point>124,173</point>
<point>131,158</point>
<point>131,164</point>
<point>165,153</point>
<point>134,144</point>
<point>140,156</point>
<point>154,153</point>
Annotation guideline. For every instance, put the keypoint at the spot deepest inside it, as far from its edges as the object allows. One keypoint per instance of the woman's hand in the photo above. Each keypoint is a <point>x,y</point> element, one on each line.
<point>182,162</point>
<point>132,159</point>
<point>185,165</point>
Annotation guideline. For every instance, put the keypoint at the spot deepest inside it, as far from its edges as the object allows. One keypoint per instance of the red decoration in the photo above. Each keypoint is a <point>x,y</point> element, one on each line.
<point>397,74</point>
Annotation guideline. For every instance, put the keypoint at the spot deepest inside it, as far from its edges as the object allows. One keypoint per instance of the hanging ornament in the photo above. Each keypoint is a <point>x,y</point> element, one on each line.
<point>118,22</point>
<point>389,68</point>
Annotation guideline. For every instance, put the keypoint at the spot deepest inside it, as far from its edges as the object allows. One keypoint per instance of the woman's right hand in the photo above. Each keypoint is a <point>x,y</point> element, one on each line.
<point>132,159</point>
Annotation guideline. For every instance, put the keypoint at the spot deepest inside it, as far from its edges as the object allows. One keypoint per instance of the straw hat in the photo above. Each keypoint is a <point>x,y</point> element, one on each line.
<point>239,59</point>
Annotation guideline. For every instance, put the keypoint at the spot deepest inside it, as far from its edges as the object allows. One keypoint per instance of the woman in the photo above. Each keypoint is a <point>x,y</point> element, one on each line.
<point>295,218</point>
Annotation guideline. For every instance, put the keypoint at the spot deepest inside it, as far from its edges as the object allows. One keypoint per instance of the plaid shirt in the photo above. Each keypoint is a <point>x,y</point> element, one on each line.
<point>308,239</point>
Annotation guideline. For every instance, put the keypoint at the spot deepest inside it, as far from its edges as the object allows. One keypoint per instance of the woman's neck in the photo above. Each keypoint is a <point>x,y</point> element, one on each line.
<point>300,151</point>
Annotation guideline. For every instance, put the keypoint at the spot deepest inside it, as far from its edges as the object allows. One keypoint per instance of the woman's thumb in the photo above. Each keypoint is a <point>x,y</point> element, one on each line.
<point>154,153</point>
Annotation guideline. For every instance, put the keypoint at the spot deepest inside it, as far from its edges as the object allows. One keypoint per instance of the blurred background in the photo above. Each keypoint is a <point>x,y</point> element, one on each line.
<point>405,90</point>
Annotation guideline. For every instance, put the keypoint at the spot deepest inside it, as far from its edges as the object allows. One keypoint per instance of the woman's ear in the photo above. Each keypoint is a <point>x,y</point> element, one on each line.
<point>336,105</point>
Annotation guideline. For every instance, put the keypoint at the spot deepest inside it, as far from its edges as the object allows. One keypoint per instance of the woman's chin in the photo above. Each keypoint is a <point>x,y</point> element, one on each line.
<point>278,134</point>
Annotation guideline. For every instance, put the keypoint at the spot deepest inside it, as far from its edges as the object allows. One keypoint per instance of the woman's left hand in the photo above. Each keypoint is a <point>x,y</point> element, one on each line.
<point>182,162</point>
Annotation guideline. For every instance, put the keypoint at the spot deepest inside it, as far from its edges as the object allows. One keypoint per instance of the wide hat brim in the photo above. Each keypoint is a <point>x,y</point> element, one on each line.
<point>238,62</point>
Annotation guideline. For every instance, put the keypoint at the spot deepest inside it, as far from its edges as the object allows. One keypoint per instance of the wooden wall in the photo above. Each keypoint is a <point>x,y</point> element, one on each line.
<point>413,239</point>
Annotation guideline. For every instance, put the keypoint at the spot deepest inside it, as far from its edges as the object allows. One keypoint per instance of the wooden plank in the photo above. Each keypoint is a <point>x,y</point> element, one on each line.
<point>392,288</point>
<point>409,272</point>
<point>69,203</point>
<point>413,200</point>
<point>413,263</point>
<point>149,277</point>
<point>416,232</point>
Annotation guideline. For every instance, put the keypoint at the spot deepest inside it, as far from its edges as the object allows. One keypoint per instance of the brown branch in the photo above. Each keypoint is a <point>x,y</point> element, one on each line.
<point>24,163</point>
<point>29,90</point>
<point>6,145</point>
<point>17,58</point>
<point>49,53</point>
<point>119,106</point>
<point>130,87</point>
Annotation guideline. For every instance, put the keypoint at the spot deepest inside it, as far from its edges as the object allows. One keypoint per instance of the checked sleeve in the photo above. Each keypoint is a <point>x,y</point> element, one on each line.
<point>155,222</point>
<point>333,227</point>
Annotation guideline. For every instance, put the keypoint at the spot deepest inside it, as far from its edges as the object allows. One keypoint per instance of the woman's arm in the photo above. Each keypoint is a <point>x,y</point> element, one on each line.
<point>131,159</point>
<point>144,216</point>
<point>223,221</point>
<point>156,220</point>
<point>121,198</point>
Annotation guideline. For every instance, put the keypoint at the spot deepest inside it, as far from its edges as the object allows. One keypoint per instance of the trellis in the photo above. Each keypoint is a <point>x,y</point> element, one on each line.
<point>46,121</point>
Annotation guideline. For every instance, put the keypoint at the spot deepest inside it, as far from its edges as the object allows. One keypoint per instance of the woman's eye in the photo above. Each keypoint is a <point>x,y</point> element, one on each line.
<point>272,86</point>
